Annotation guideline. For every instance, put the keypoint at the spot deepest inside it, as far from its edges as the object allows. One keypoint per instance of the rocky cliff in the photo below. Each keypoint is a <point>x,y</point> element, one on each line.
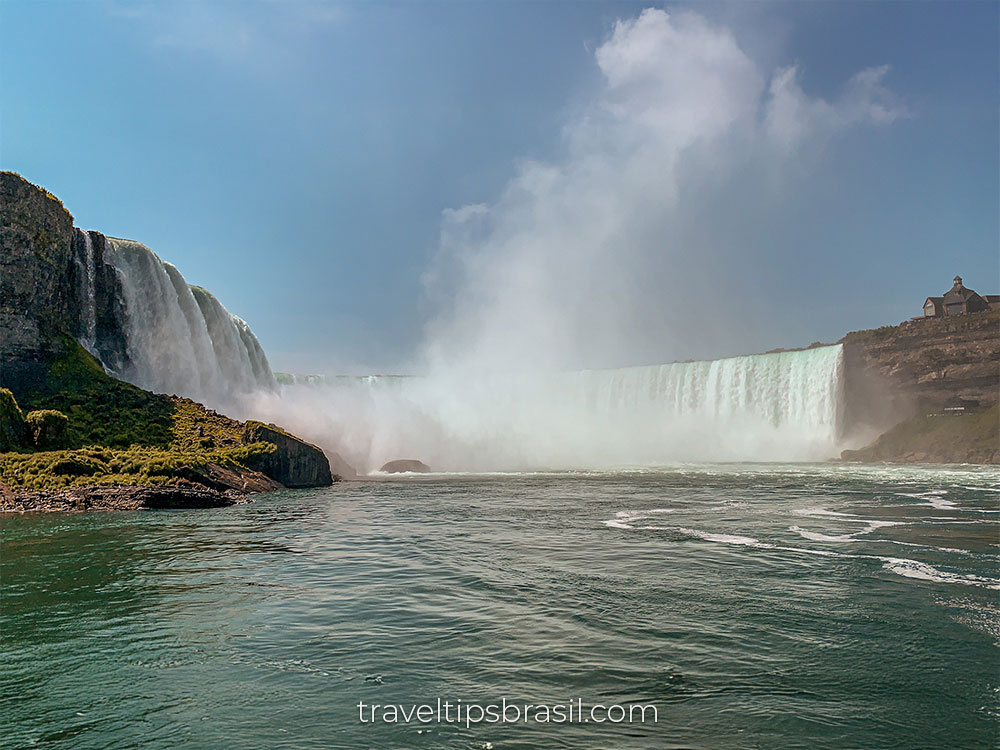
<point>294,462</point>
<point>896,376</point>
<point>50,275</point>
<point>36,234</point>
<point>62,337</point>
<point>926,363</point>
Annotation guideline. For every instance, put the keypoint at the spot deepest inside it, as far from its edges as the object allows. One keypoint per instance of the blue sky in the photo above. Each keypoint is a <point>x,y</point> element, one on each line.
<point>305,160</point>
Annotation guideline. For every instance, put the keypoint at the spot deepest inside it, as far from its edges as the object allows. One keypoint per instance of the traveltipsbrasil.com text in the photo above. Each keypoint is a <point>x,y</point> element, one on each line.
<point>505,712</point>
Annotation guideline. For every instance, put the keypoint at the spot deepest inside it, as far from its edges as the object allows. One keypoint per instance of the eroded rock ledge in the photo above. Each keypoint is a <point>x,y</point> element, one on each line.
<point>104,498</point>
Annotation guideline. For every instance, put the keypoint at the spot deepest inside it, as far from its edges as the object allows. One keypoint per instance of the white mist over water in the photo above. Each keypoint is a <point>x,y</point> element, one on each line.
<point>599,258</point>
<point>783,406</point>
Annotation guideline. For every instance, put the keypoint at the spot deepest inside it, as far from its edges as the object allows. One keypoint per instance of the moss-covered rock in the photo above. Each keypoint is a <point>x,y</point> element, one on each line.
<point>48,429</point>
<point>13,434</point>
<point>133,466</point>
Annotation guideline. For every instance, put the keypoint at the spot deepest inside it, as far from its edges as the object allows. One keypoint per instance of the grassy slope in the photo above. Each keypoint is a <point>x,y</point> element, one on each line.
<point>121,434</point>
<point>970,438</point>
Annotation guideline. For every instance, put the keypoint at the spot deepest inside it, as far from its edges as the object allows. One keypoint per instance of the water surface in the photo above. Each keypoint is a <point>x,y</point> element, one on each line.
<point>757,606</point>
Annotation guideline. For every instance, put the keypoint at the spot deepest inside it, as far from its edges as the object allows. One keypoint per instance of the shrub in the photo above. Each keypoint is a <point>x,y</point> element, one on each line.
<point>12,430</point>
<point>47,428</point>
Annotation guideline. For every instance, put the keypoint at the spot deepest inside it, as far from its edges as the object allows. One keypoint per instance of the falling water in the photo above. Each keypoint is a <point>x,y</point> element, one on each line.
<point>180,338</point>
<point>782,406</point>
<point>88,295</point>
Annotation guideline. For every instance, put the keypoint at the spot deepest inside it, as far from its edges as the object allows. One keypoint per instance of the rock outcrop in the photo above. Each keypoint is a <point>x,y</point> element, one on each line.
<point>401,465</point>
<point>13,431</point>
<point>930,361</point>
<point>898,376</point>
<point>36,233</point>
<point>53,282</point>
<point>294,462</point>
<point>162,497</point>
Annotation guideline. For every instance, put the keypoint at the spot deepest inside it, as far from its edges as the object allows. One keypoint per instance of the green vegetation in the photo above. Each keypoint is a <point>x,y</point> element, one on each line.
<point>101,410</point>
<point>88,428</point>
<point>939,438</point>
<point>12,430</point>
<point>137,465</point>
<point>47,428</point>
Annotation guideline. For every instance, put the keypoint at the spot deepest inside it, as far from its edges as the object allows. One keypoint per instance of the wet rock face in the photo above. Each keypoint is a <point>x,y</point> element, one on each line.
<point>97,307</point>
<point>294,463</point>
<point>401,465</point>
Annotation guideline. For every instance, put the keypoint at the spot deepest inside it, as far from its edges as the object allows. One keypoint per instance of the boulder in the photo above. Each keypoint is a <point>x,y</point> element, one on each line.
<point>401,465</point>
<point>294,463</point>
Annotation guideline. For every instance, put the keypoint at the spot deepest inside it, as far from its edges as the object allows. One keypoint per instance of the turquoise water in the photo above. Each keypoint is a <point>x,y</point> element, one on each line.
<point>805,606</point>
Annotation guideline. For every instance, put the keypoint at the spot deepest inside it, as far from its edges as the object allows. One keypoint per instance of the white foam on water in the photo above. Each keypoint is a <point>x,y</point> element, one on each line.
<point>935,500</point>
<point>624,519</point>
<point>900,566</point>
<point>925,572</point>
<point>815,536</point>
<point>820,512</point>
<point>743,541</point>
<point>977,615</point>
<point>870,526</point>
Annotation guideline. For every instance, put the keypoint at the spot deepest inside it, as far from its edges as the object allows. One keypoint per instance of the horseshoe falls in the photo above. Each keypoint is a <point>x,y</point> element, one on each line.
<point>179,338</point>
<point>767,407</point>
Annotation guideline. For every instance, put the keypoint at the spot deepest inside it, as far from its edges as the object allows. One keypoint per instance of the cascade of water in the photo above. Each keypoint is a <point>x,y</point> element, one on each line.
<point>89,295</point>
<point>180,338</point>
<point>258,360</point>
<point>782,406</point>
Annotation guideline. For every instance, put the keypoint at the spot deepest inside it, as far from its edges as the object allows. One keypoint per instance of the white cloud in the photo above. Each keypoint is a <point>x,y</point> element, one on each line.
<point>792,116</point>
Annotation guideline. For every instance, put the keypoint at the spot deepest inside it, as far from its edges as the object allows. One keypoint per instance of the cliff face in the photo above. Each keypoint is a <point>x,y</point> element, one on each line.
<point>294,463</point>
<point>53,281</point>
<point>924,364</point>
<point>898,375</point>
<point>35,234</point>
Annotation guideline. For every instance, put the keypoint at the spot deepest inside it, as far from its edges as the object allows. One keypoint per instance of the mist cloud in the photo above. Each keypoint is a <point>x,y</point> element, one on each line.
<point>585,260</point>
<point>612,255</point>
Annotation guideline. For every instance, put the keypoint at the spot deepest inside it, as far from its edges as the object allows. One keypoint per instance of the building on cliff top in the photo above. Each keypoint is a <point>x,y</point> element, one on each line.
<point>959,300</point>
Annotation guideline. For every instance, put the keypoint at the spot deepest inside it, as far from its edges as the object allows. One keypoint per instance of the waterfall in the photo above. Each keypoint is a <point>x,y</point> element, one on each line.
<point>180,339</point>
<point>767,407</point>
<point>88,295</point>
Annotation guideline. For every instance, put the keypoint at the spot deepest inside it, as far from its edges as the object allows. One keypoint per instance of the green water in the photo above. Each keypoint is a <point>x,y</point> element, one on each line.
<point>804,606</point>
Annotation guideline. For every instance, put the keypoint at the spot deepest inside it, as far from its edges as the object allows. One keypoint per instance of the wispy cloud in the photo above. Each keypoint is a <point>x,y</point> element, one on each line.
<point>232,32</point>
